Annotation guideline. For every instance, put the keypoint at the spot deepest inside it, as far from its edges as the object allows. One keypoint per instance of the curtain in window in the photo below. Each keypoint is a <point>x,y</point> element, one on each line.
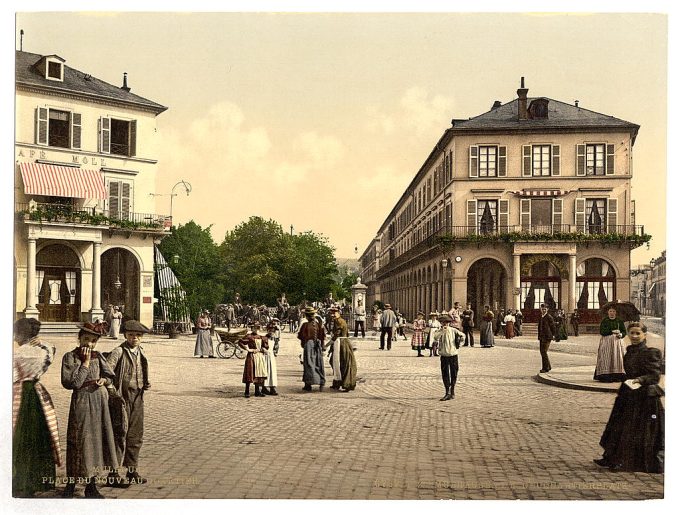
<point>581,269</point>
<point>40,275</point>
<point>602,295</point>
<point>605,268</point>
<point>583,297</point>
<point>71,285</point>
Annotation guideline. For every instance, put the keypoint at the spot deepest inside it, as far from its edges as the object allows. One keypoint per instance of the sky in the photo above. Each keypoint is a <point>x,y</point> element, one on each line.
<point>320,121</point>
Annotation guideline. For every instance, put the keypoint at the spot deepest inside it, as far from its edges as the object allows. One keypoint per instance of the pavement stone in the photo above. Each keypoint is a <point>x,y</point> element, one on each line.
<point>504,436</point>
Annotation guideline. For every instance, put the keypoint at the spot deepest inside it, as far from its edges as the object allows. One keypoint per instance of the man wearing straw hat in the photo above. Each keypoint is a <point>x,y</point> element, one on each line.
<point>449,342</point>
<point>311,336</point>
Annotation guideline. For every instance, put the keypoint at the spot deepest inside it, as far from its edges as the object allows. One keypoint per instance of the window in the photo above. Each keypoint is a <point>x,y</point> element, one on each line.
<point>595,284</point>
<point>540,160</point>
<point>487,161</point>
<point>487,211</point>
<point>596,215</point>
<point>118,137</point>
<point>57,128</point>
<point>54,70</point>
<point>595,159</point>
<point>120,195</point>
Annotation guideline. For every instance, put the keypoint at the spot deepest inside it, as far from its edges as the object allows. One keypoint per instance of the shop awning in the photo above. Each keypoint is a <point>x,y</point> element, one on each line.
<point>62,181</point>
<point>540,193</point>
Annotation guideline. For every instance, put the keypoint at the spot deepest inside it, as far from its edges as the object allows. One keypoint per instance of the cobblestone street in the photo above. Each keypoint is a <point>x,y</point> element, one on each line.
<point>504,436</point>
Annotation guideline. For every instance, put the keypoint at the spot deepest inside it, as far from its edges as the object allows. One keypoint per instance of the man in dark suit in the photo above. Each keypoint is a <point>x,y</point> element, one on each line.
<point>574,321</point>
<point>546,333</point>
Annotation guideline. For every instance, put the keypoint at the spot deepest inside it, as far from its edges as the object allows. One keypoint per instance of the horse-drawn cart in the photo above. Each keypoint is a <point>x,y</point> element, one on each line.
<point>228,343</point>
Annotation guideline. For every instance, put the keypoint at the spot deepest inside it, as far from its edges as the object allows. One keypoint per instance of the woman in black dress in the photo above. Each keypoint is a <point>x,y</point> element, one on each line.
<point>633,439</point>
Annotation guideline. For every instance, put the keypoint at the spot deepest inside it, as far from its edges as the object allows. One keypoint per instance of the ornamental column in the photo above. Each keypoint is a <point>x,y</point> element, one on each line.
<point>516,281</point>
<point>31,311</point>
<point>572,282</point>
<point>96,311</point>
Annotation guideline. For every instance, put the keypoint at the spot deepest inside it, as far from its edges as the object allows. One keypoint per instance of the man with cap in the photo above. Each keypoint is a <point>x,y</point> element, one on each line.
<point>387,322</point>
<point>360,319</point>
<point>311,336</point>
<point>449,339</point>
<point>131,369</point>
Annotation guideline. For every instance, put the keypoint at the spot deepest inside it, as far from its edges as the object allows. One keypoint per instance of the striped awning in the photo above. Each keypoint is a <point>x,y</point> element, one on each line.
<point>62,181</point>
<point>540,193</point>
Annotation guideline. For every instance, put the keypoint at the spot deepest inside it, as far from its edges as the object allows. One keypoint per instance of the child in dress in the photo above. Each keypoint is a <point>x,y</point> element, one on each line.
<point>254,368</point>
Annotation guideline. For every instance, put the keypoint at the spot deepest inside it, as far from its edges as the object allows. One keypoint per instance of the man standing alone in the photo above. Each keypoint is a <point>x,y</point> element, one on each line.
<point>468,317</point>
<point>387,322</point>
<point>546,333</point>
<point>360,319</point>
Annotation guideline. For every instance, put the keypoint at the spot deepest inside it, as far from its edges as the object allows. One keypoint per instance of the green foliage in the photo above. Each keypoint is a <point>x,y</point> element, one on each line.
<point>635,240</point>
<point>65,213</point>
<point>197,266</point>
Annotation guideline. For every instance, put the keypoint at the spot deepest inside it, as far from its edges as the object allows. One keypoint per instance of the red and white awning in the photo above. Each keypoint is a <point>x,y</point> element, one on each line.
<point>540,193</point>
<point>62,181</point>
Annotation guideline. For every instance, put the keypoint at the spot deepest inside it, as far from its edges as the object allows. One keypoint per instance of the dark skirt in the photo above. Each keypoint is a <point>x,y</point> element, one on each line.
<point>634,435</point>
<point>348,365</point>
<point>249,371</point>
<point>32,458</point>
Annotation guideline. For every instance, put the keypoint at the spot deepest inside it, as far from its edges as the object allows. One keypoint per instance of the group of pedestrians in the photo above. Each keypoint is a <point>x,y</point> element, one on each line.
<point>106,414</point>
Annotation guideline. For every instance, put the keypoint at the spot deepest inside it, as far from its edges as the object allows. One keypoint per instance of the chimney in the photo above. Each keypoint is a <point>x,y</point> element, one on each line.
<point>496,105</point>
<point>522,113</point>
<point>576,103</point>
<point>124,87</point>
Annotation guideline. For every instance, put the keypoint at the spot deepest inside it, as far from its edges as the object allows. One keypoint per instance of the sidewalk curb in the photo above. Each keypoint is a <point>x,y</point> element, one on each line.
<point>546,379</point>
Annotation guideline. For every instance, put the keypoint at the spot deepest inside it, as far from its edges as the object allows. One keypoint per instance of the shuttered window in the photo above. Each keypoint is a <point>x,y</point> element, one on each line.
<point>57,128</point>
<point>557,214</point>
<point>473,165</point>
<point>472,216</point>
<point>120,199</point>
<point>610,159</point>
<point>504,216</point>
<point>580,159</point>
<point>612,215</point>
<point>595,159</point>
<point>41,126</point>
<point>555,160</point>
<point>526,160</point>
<point>502,161</point>
<point>105,135</point>
<point>118,137</point>
<point>76,130</point>
<point>525,214</point>
<point>488,161</point>
<point>580,214</point>
<point>540,160</point>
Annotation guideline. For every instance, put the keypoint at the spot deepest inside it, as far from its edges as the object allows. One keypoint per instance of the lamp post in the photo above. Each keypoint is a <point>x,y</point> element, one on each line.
<point>172,194</point>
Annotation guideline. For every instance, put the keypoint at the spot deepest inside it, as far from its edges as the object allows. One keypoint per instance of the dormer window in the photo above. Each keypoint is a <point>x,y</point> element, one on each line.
<point>51,67</point>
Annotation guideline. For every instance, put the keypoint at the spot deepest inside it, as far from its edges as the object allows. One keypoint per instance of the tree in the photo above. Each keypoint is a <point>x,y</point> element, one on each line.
<point>195,259</point>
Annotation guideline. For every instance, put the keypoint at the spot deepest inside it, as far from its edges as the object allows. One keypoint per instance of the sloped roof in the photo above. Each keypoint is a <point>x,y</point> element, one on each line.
<point>560,116</point>
<point>77,83</point>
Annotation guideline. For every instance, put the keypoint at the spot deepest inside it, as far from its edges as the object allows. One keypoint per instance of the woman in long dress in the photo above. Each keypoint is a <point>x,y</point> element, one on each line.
<point>255,367</point>
<point>116,318</point>
<point>609,367</point>
<point>269,354</point>
<point>486,336</point>
<point>418,338</point>
<point>633,439</point>
<point>433,326</point>
<point>203,342</point>
<point>35,443</point>
<point>561,325</point>
<point>90,448</point>
<point>376,321</point>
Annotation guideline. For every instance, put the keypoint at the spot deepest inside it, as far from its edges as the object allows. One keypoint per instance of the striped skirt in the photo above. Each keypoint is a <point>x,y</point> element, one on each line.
<point>610,358</point>
<point>417,340</point>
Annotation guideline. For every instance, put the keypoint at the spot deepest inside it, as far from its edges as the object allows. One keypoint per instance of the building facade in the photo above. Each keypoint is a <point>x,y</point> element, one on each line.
<point>525,204</point>
<point>85,167</point>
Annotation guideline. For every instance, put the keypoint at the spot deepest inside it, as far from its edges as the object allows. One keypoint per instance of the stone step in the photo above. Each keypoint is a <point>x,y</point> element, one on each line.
<point>59,328</point>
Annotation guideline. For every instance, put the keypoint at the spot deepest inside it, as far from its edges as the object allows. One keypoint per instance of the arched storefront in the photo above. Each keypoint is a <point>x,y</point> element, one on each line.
<point>595,286</point>
<point>486,281</point>
<point>120,281</point>
<point>541,283</point>
<point>58,279</point>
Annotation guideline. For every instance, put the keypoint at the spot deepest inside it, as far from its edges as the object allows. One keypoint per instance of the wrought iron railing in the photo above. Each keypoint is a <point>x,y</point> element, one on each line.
<point>68,213</point>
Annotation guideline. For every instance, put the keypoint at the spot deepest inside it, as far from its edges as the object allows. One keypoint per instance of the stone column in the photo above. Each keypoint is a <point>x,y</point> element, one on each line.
<point>96,311</point>
<point>31,311</point>
<point>516,281</point>
<point>573,299</point>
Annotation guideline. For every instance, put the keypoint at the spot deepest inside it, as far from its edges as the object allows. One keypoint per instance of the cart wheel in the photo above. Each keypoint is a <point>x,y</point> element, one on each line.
<point>224,350</point>
<point>239,352</point>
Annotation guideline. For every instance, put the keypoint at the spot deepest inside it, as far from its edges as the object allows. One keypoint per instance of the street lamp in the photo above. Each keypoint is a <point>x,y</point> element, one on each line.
<point>172,194</point>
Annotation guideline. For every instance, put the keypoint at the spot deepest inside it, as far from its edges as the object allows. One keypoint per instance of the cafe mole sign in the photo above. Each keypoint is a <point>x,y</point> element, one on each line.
<point>75,159</point>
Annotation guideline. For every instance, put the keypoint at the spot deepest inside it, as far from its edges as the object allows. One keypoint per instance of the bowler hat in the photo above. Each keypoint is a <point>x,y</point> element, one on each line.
<point>135,326</point>
<point>91,328</point>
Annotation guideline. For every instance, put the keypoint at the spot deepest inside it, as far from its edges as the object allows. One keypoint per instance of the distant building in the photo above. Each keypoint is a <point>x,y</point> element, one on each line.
<point>657,288</point>
<point>525,204</point>
<point>85,220</point>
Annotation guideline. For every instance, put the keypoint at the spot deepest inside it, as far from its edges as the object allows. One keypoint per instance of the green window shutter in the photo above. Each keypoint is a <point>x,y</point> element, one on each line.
<point>526,160</point>
<point>525,214</point>
<point>133,138</point>
<point>580,214</point>
<point>472,216</point>
<point>502,161</point>
<point>125,200</point>
<point>473,169</point>
<point>612,215</point>
<point>557,214</point>
<point>41,125</point>
<point>610,160</point>
<point>105,135</point>
<point>580,161</point>
<point>556,160</point>
<point>503,216</point>
<point>114,199</point>
<point>76,130</point>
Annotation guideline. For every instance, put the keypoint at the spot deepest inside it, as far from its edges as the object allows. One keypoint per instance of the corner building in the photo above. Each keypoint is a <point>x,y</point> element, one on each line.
<point>85,167</point>
<point>527,203</point>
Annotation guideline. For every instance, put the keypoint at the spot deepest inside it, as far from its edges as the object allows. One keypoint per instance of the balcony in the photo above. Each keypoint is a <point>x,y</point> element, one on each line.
<point>447,237</point>
<point>65,213</point>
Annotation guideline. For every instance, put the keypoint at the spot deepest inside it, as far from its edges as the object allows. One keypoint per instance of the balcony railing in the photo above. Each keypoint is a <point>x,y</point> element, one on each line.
<point>633,235</point>
<point>66,213</point>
